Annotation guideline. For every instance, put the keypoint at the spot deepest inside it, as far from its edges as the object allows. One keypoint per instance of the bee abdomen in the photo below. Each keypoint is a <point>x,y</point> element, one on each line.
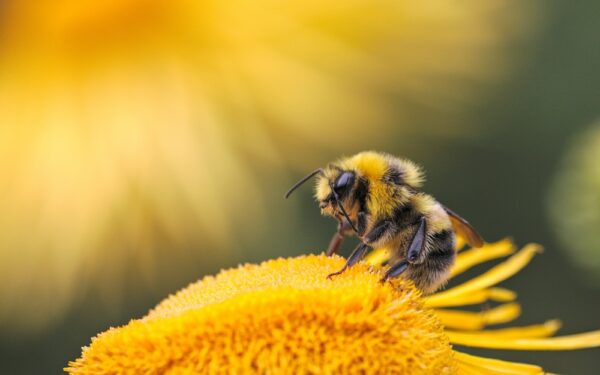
<point>429,275</point>
<point>405,216</point>
<point>441,243</point>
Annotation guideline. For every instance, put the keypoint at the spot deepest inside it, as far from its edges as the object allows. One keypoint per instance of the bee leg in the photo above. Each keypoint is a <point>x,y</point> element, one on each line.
<point>335,243</point>
<point>338,237</point>
<point>380,230</point>
<point>357,254</point>
<point>417,243</point>
<point>395,271</point>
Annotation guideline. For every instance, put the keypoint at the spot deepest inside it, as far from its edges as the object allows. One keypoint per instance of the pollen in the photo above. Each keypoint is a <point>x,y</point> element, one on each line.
<point>281,316</point>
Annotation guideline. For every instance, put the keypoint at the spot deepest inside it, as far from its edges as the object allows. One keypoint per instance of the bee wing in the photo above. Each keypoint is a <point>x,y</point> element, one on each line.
<point>462,227</point>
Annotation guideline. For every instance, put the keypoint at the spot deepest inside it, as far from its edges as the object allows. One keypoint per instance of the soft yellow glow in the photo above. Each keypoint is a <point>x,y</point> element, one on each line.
<point>129,127</point>
<point>286,316</point>
<point>574,202</point>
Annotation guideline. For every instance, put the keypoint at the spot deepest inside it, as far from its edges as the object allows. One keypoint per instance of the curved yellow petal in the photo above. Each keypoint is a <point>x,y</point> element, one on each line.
<point>502,294</point>
<point>460,243</point>
<point>495,275</point>
<point>478,296</point>
<point>546,329</point>
<point>465,369</point>
<point>482,365</point>
<point>475,256</point>
<point>470,320</point>
<point>570,342</point>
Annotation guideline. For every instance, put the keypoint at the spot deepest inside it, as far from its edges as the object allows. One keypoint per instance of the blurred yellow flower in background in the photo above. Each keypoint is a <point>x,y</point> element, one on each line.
<point>285,316</point>
<point>574,202</point>
<point>127,127</point>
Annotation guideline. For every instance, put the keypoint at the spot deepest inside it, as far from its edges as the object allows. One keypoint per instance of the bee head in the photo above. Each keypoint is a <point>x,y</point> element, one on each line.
<point>332,187</point>
<point>332,191</point>
<point>370,182</point>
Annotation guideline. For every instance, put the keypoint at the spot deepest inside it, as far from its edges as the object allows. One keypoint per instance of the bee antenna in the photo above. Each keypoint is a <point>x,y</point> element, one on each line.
<point>303,180</point>
<point>337,199</point>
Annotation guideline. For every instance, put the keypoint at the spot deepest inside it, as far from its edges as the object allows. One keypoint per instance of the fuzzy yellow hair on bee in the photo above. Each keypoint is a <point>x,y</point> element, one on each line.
<point>376,196</point>
<point>374,165</point>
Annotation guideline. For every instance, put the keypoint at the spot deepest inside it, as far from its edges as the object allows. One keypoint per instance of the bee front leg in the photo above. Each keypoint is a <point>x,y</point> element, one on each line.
<point>358,253</point>
<point>395,271</point>
<point>337,239</point>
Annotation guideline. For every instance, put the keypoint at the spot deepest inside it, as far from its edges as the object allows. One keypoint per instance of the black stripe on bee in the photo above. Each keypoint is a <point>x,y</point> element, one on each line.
<point>442,245</point>
<point>403,217</point>
<point>393,176</point>
<point>380,229</point>
<point>361,223</point>
<point>406,215</point>
<point>361,193</point>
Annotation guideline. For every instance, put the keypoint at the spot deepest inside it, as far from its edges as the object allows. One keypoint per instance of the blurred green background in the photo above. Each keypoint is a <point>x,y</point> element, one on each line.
<point>144,145</point>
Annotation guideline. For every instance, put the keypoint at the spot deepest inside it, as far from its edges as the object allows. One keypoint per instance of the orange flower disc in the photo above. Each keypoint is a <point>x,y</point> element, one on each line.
<point>281,316</point>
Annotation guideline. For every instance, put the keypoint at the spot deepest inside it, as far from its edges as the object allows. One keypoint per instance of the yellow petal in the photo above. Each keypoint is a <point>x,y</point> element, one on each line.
<point>472,257</point>
<point>502,294</point>
<point>470,320</point>
<point>460,243</point>
<point>481,365</point>
<point>495,275</point>
<point>570,342</point>
<point>465,369</point>
<point>546,329</point>
<point>476,297</point>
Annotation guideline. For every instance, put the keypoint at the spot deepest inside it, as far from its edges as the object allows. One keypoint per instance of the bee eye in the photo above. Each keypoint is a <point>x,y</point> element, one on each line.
<point>344,180</point>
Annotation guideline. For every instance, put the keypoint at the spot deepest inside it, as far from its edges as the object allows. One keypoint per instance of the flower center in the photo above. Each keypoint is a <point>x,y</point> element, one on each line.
<point>283,315</point>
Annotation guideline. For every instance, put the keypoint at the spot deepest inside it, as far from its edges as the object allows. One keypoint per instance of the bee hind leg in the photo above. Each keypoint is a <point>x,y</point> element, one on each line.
<point>358,253</point>
<point>395,271</point>
<point>418,243</point>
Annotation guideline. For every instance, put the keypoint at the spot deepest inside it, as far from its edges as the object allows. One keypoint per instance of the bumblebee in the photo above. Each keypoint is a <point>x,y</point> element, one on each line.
<point>376,196</point>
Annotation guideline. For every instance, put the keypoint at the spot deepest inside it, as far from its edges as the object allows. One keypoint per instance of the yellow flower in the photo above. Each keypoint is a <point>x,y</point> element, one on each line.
<point>285,316</point>
<point>130,126</point>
